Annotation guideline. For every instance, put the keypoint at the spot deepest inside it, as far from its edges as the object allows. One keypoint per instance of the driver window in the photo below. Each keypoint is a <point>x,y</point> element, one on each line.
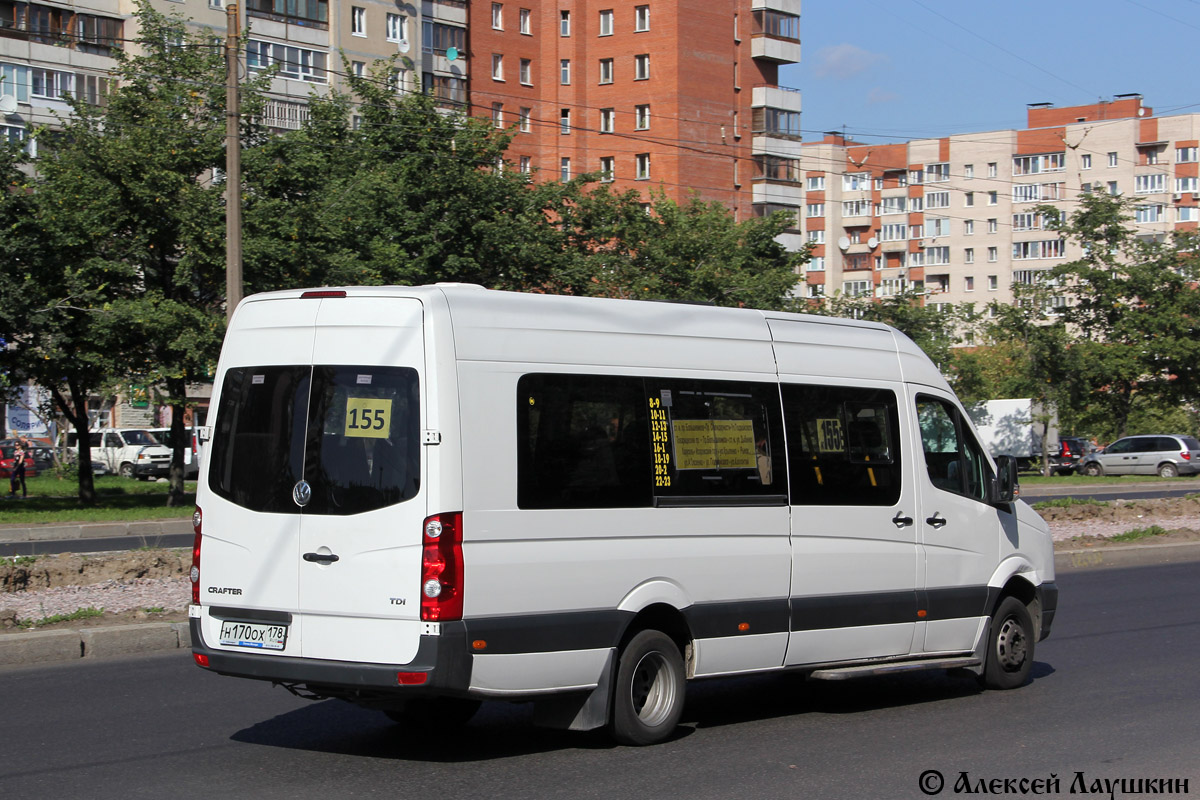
<point>953,460</point>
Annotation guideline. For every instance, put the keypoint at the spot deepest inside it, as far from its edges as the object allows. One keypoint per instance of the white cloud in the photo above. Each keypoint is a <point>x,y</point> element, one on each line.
<point>845,61</point>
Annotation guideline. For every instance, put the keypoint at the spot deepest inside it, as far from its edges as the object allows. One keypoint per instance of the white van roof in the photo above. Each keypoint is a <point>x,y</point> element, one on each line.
<point>491,325</point>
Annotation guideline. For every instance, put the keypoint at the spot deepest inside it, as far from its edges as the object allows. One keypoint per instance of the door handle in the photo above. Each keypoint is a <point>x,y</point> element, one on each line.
<point>937,520</point>
<point>901,521</point>
<point>325,559</point>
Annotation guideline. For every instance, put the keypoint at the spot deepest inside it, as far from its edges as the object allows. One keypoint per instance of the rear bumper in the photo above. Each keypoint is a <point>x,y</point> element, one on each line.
<point>445,659</point>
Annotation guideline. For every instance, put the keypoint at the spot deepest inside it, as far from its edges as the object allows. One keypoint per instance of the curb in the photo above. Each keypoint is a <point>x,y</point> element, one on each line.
<point>42,647</point>
<point>95,530</point>
<point>1131,555</point>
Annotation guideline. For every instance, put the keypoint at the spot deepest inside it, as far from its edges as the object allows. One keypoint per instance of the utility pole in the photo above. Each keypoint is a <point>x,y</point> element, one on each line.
<point>233,164</point>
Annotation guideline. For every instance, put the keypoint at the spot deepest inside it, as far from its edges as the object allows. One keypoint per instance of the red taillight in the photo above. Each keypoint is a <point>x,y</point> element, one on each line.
<point>411,678</point>
<point>194,575</point>
<point>1066,449</point>
<point>442,568</point>
<point>1185,455</point>
<point>200,659</point>
<point>323,293</point>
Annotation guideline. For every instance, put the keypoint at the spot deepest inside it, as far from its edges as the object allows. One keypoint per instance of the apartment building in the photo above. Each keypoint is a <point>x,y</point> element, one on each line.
<point>680,96</point>
<point>955,216</point>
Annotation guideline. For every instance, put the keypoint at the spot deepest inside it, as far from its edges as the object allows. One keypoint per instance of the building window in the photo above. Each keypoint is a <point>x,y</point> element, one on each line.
<point>893,205</point>
<point>564,23</point>
<point>524,120</point>
<point>1148,214</point>
<point>526,165</point>
<point>607,168</point>
<point>1112,188</point>
<point>817,264</point>
<point>937,226</point>
<point>358,21</point>
<point>1112,159</point>
<point>968,227</point>
<point>498,115</point>
<point>606,70</point>
<point>968,171</point>
<point>497,67</point>
<point>993,282</point>
<point>993,254</point>
<point>358,68</point>
<point>1187,214</point>
<point>564,72</point>
<point>294,62</point>
<point>641,116</point>
<point>642,171</point>
<point>1034,165</point>
<point>606,22</point>
<point>641,18</point>
<point>815,183</point>
<point>525,23</point>
<point>1185,155</point>
<point>991,169</point>
<point>1028,221</point>
<point>606,120</point>
<point>564,169</point>
<point>1187,185</point>
<point>527,72</point>
<point>564,121</point>
<point>893,232</point>
<point>1025,251</point>
<point>993,198</point>
<point>856,208</point>
<point>641,67</point>
<point>1150,184</point>
<point>937,200</point>
<point>937,173</point>
<point>969,258</point>
<point>786,125</point>
<point>1085,161</point>
<point>816,237</point>
<point>497,16</point>
<point>818,210</point>
<point>992,225</point>
<point>437,38</point>
<point>397,27</point>
<point>969,199</point>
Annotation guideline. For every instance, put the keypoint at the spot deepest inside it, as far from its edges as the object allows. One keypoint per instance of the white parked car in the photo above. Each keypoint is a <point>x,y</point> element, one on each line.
<point>129,452</point>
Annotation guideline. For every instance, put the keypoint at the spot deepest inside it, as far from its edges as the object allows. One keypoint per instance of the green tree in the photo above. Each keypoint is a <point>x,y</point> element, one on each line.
<point>127,282</point>
<point>1133,307</point>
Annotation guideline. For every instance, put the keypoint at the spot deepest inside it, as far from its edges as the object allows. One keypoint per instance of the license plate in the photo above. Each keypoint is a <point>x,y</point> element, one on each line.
<point>253,634</point>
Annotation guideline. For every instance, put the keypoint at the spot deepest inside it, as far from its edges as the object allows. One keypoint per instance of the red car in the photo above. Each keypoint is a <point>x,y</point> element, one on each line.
<point>7,456</point>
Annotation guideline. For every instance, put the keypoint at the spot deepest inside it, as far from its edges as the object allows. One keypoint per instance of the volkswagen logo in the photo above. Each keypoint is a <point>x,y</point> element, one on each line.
<point>302,493</point>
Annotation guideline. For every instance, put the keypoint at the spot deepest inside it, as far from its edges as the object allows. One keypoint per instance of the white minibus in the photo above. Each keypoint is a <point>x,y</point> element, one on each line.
<point>416,499</point>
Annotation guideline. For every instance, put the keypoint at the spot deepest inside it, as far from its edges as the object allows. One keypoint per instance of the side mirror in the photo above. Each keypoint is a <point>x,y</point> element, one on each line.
<point>1005,488</point>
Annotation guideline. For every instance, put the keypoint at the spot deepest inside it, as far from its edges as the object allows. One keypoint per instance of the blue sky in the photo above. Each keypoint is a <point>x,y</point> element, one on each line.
<point>891,70</point>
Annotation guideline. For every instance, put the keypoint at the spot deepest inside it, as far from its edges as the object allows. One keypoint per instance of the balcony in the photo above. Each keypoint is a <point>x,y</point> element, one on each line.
<point>775,32</point>
<point>774,96</point>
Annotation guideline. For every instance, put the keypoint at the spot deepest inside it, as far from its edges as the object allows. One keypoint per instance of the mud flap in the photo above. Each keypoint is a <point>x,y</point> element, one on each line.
<point>578,711</point>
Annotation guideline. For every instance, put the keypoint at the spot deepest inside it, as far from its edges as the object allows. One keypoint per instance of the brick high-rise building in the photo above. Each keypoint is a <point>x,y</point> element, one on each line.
<point>681,96</point>
<point>955,216</point>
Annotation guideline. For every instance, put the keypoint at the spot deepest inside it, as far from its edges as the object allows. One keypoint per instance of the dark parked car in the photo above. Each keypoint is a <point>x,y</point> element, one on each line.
<point>1070,450</point>
<point>1166,456</point>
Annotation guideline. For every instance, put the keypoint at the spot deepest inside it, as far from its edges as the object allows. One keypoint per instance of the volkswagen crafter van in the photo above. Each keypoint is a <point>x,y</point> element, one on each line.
<point>416,499</point>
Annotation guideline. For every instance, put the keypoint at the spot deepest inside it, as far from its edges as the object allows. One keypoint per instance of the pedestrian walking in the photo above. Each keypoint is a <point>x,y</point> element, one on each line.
<point>21,452</point>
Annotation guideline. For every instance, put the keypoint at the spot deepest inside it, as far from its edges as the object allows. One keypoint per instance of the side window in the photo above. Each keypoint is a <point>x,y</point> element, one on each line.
<point>715,441</point>
<point>595,441</point>
<point>1120,446</point>
<point>583,441</point>
<point>112,440</point>
<point>843,445</point>
<point>94,440</point>
<point>953,460</point>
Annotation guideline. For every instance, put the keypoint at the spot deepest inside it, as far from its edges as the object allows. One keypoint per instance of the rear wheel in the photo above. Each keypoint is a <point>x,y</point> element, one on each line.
<point>126,470</point>
<point>1010,646</point>
<point>649,691</point>
<point>1093,469</point>
<point>435,712</point>
<point>1168,470</point>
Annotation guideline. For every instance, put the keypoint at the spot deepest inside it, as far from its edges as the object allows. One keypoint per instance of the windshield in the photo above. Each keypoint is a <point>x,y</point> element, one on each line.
<point>350,432</point>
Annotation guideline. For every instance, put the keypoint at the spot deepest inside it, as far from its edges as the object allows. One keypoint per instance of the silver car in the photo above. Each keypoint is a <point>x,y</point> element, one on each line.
<point>1166,456</point>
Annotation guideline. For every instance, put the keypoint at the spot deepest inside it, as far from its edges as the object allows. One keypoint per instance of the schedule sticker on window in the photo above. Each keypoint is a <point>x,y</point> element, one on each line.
<point>714,444</point>
<point>368,417</point>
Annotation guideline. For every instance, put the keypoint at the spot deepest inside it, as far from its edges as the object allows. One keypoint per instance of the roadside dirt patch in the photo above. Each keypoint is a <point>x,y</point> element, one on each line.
<point>72,569</point>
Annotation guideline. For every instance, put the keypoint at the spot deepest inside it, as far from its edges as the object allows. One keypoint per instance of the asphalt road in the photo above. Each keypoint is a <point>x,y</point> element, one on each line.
<point>1115,695</point>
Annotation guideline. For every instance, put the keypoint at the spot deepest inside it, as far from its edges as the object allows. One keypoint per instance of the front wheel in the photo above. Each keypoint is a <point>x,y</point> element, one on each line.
<point>126,470</point>
<point>1093,470</point>
<point>1009,647</point>
<point>1168,470</point>
<point>649,690</point>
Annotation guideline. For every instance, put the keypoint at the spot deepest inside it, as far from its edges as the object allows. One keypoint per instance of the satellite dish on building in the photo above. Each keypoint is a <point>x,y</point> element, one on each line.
<point>844,242</point>
<point>872,243</point>
<point>403,45</point>
<point>451,53</point>
<point>8,103</point>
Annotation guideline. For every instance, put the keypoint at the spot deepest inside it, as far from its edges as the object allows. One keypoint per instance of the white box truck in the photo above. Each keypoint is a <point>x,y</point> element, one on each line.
<point>416,499</point>
<point>1017,427</point>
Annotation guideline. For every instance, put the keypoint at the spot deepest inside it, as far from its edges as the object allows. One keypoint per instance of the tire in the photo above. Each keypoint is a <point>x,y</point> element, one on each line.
<point>436,713</point>
<point>1009,646</point>
<point>125,470</point>
<point>1093,469</point>
<point>649,690</point>
<point>1168,470</point>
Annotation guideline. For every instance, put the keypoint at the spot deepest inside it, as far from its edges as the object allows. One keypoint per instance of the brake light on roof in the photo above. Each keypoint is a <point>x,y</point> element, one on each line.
<point>317,294</point>
<point>442,568</point>
<point>194,574</point>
